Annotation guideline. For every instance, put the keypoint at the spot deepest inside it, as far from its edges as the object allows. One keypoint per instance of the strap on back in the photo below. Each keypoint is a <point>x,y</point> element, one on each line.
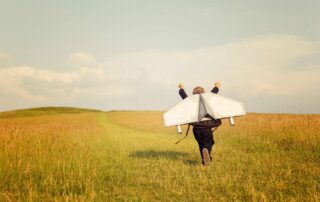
<point>186,134</point>
<point>214,129</point>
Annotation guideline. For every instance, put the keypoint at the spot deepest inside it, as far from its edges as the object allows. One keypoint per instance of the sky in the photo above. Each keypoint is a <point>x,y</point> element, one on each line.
<point>131,55</point>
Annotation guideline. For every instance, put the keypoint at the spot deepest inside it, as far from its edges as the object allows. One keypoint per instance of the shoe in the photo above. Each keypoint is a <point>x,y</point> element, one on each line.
<point>206,156</point>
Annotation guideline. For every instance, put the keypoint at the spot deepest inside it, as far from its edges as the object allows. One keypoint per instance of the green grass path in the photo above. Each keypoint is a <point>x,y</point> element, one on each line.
<point>147,166</point>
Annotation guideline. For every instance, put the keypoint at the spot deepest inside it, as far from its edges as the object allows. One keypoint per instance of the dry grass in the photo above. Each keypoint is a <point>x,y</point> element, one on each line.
<point>264,157</point>
<point>45,157</point>
<point>129,156</point>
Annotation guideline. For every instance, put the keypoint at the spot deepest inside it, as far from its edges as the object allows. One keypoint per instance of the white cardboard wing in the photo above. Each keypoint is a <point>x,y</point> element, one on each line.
<point>220,107</point>
<point>184,112</point>
<point>194,108</point>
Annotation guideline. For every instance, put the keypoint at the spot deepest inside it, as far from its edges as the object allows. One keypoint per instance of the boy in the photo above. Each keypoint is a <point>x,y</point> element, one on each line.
<point>203,130</point>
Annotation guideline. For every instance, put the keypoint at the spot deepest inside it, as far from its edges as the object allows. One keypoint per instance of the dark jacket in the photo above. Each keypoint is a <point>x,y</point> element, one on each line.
<point>215,90</point>
<point>183,93</point>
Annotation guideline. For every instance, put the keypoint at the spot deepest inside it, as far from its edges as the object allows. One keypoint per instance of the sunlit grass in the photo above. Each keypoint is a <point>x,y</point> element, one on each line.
<point>125,156</point>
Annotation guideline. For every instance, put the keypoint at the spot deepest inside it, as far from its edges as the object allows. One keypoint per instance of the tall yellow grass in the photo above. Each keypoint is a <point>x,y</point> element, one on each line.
<point>46,157</point>
<point>130,156</point>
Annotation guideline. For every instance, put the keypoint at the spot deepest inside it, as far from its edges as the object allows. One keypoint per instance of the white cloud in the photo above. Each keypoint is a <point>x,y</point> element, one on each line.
<point>260,65</point>
<point>82,58</point>
<point>4,57</point>
<point>283,69</point>
<point>250,70</point>
<point>23,72</point>
<point>36,86</point>
<point>10,84</point>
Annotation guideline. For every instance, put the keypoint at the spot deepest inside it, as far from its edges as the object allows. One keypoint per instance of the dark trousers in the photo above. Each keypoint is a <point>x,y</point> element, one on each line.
<point>204,137</point>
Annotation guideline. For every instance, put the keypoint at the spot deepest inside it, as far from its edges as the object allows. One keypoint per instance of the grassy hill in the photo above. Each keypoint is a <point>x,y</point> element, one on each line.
<point>43,111</point>
<point>83,155</point>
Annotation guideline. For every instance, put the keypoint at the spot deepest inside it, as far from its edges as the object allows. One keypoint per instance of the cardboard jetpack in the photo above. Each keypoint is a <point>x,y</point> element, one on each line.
<point>195,108</point>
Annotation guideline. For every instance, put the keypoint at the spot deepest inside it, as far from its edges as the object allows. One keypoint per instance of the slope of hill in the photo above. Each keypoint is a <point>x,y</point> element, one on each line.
<point>43,111</point>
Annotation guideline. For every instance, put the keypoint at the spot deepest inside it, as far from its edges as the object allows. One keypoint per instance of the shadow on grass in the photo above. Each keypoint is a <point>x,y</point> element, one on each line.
<point>192,162</point>
<point>171,155</point>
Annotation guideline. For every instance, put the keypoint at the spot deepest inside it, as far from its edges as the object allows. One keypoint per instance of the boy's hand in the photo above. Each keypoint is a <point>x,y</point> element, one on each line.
<point>181,85</point>
<point>217,84</point>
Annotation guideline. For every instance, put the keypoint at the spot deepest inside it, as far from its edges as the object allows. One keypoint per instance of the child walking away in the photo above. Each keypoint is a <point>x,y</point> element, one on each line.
<point>202,131</point>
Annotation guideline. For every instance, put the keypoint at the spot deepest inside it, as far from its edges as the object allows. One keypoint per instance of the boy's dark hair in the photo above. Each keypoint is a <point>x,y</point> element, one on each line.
<point>198,90</point>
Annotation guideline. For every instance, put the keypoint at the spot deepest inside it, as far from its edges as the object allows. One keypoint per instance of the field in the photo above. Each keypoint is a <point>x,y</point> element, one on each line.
<point>66,154</point>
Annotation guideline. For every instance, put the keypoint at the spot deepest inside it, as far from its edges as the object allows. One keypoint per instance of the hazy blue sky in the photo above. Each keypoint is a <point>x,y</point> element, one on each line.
<point>132,54</point>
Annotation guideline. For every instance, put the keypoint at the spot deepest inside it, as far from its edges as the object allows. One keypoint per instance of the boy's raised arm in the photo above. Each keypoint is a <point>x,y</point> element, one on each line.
<point>182,93</point>
<point>215,90</point>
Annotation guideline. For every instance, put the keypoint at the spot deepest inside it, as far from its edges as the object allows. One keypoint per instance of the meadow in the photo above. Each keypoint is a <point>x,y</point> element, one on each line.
<point>68,154</point>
